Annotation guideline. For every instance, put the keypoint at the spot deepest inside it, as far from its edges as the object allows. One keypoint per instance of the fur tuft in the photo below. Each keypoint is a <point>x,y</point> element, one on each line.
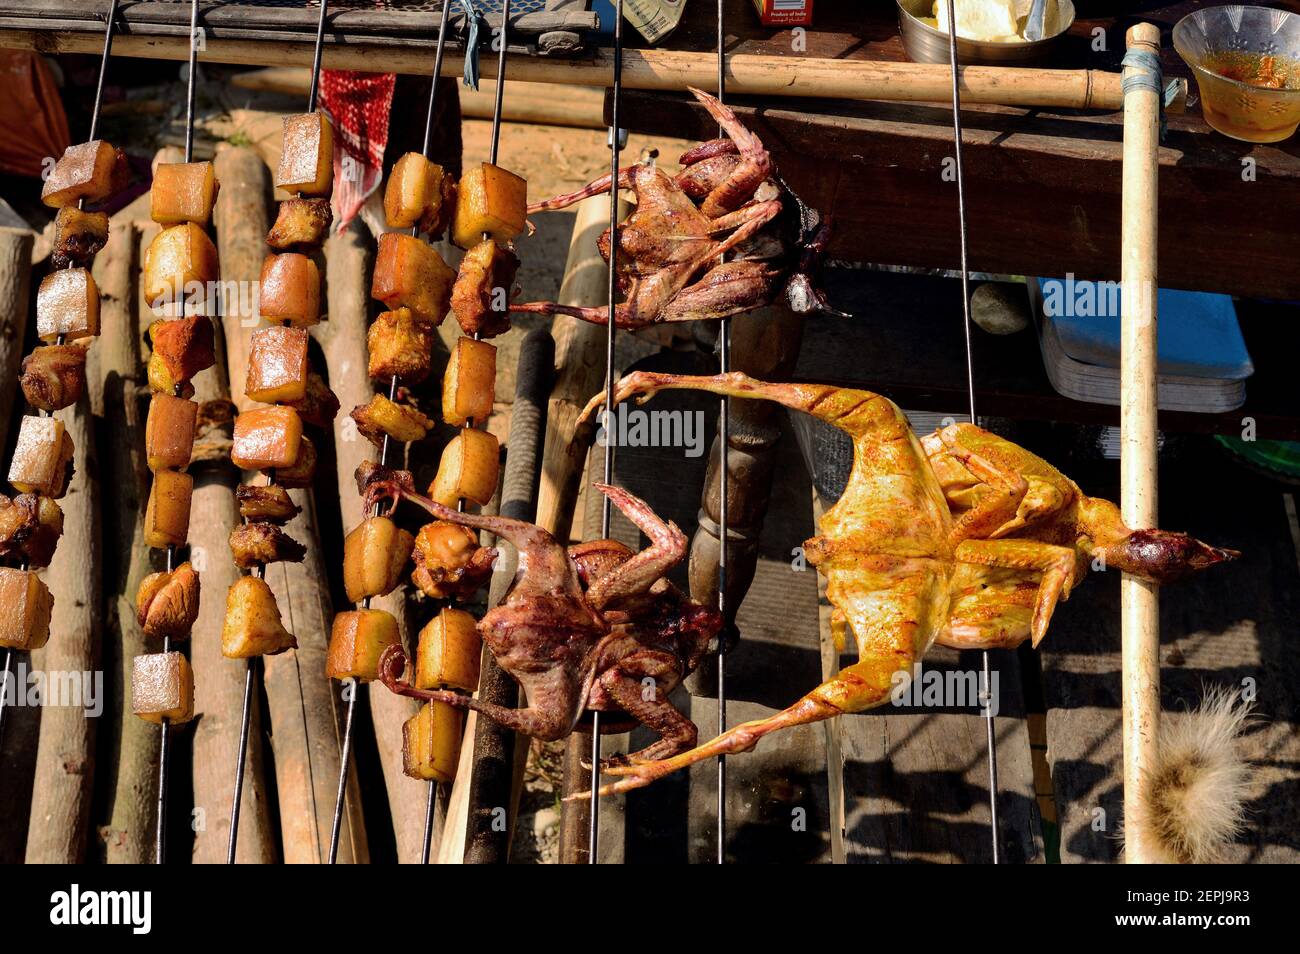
<point>1193,799</point>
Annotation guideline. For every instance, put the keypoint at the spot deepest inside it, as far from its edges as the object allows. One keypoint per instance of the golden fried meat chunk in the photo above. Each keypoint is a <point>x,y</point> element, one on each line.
<point>255,544</point>
<point>265,503</point>
<point>54,376</point>
<point>167,603</point>
<point>78,236</point>
<point>400,346</point>
<point>400,422</point>
<point>300,224</point>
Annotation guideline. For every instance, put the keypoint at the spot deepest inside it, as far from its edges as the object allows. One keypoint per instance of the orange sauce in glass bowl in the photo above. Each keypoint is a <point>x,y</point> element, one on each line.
<point>1262,70</point>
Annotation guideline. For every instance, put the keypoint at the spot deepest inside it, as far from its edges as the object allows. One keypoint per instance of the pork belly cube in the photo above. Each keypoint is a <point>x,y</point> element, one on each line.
<point>267,437</point>
<point>25,623</point>
<point>67,305</point>
<point>481,296</point>
<point>277,365</point>
<point>162,688</point>
<point>182,347</point>
<point>307,155</point>
<point>178,265</point>
<point>77,236</point>
<point>289,289</point>
<point>449,652</point>
<point>90,170</point>
<point>401,422</point>
<point>419,191</point>
<point>469,384</point>
<point>183,192</point>
<point>167,515</point>
<point>167,603</point>
<point>42,458</point>
<point>358,639</point>
<point>54,376</point>
<point>300,224</point>
<point>431,742</point>
<point>490,201</point>
<point>400,347</point>
<point>262,503</point>
<point>30,527</point>
<point>374,554</point>
<point>410,273</point>
<point>169,432</point>
<point>303,470</point>
<point>469,468</point>
<point>252,626</point>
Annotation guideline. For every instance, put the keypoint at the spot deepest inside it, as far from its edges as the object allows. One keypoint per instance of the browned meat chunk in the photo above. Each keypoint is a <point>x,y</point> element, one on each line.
<point>265,504</point>
<point>253,544</point>
<point>54,376</point>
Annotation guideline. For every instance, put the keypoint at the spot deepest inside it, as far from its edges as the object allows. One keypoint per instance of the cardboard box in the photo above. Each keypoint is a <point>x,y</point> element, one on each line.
<point>785,12</point>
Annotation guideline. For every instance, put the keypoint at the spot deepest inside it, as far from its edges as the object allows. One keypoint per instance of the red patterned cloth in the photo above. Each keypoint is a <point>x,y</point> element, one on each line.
<point>359,104</point>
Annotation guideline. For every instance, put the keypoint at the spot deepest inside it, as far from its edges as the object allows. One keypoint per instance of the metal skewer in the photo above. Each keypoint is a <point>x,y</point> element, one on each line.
<point>990,738</point>
<point>432,800</point>
<point>724,437</point>
<point>606,511</point>
<point>253,667</point>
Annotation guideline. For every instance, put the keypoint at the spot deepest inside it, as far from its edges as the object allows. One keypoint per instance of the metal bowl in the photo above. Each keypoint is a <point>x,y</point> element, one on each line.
<point>926,44</point>
<point>1221,36</point>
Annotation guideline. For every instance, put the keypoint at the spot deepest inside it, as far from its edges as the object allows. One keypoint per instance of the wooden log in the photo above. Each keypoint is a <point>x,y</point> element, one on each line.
<point>747,74</point>
<point>128,837</point>
<point>219,682</point>
<point>1139,599</point>
<point>303,708</point>
<point>65,763</point>
<point>15,292</point>
<point>579,368</point>
<point>64,772</point>
<point>348,261</point>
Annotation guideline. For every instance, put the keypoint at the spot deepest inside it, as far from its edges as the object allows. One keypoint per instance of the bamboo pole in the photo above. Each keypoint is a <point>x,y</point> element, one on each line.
<point>15,292</point>
<point>1139,599</point>
<point>303,708</point>
<point>128,838</point>
<point>668,70</point>
<point>219,682</point>
<point>523,102</point>
<point>61,790</point>
<point>63,781</point>
<point>580,369</point>
<point>348,261</point>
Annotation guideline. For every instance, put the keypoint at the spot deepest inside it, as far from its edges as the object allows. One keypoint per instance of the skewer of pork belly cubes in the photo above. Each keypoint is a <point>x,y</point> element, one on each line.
<point>273,438</point>
<point>53,377</point>
<point>180,275</point>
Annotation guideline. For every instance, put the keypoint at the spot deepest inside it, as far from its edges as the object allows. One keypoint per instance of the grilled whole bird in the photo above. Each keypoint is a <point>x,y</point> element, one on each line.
<point>590,627</point>
<point>895,557</point>
<point>724,236</point>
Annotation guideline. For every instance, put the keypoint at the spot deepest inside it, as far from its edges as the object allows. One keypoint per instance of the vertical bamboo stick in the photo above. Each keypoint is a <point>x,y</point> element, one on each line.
<point>15,291</point>
<point>1139,607</point>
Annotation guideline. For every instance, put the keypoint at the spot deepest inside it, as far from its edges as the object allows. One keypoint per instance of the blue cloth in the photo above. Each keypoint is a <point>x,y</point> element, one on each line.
<point>1198,334</point>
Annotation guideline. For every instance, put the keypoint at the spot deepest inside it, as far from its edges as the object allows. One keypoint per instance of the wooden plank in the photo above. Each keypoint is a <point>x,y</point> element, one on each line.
<point>1235,625</point>
<point>1042,188</point>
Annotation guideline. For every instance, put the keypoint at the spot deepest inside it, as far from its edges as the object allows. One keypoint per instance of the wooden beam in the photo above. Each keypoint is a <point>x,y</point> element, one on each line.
<point>747,75</point>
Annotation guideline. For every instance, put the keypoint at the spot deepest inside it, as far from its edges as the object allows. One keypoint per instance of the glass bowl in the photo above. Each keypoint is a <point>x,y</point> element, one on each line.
<point>1255,43</point>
